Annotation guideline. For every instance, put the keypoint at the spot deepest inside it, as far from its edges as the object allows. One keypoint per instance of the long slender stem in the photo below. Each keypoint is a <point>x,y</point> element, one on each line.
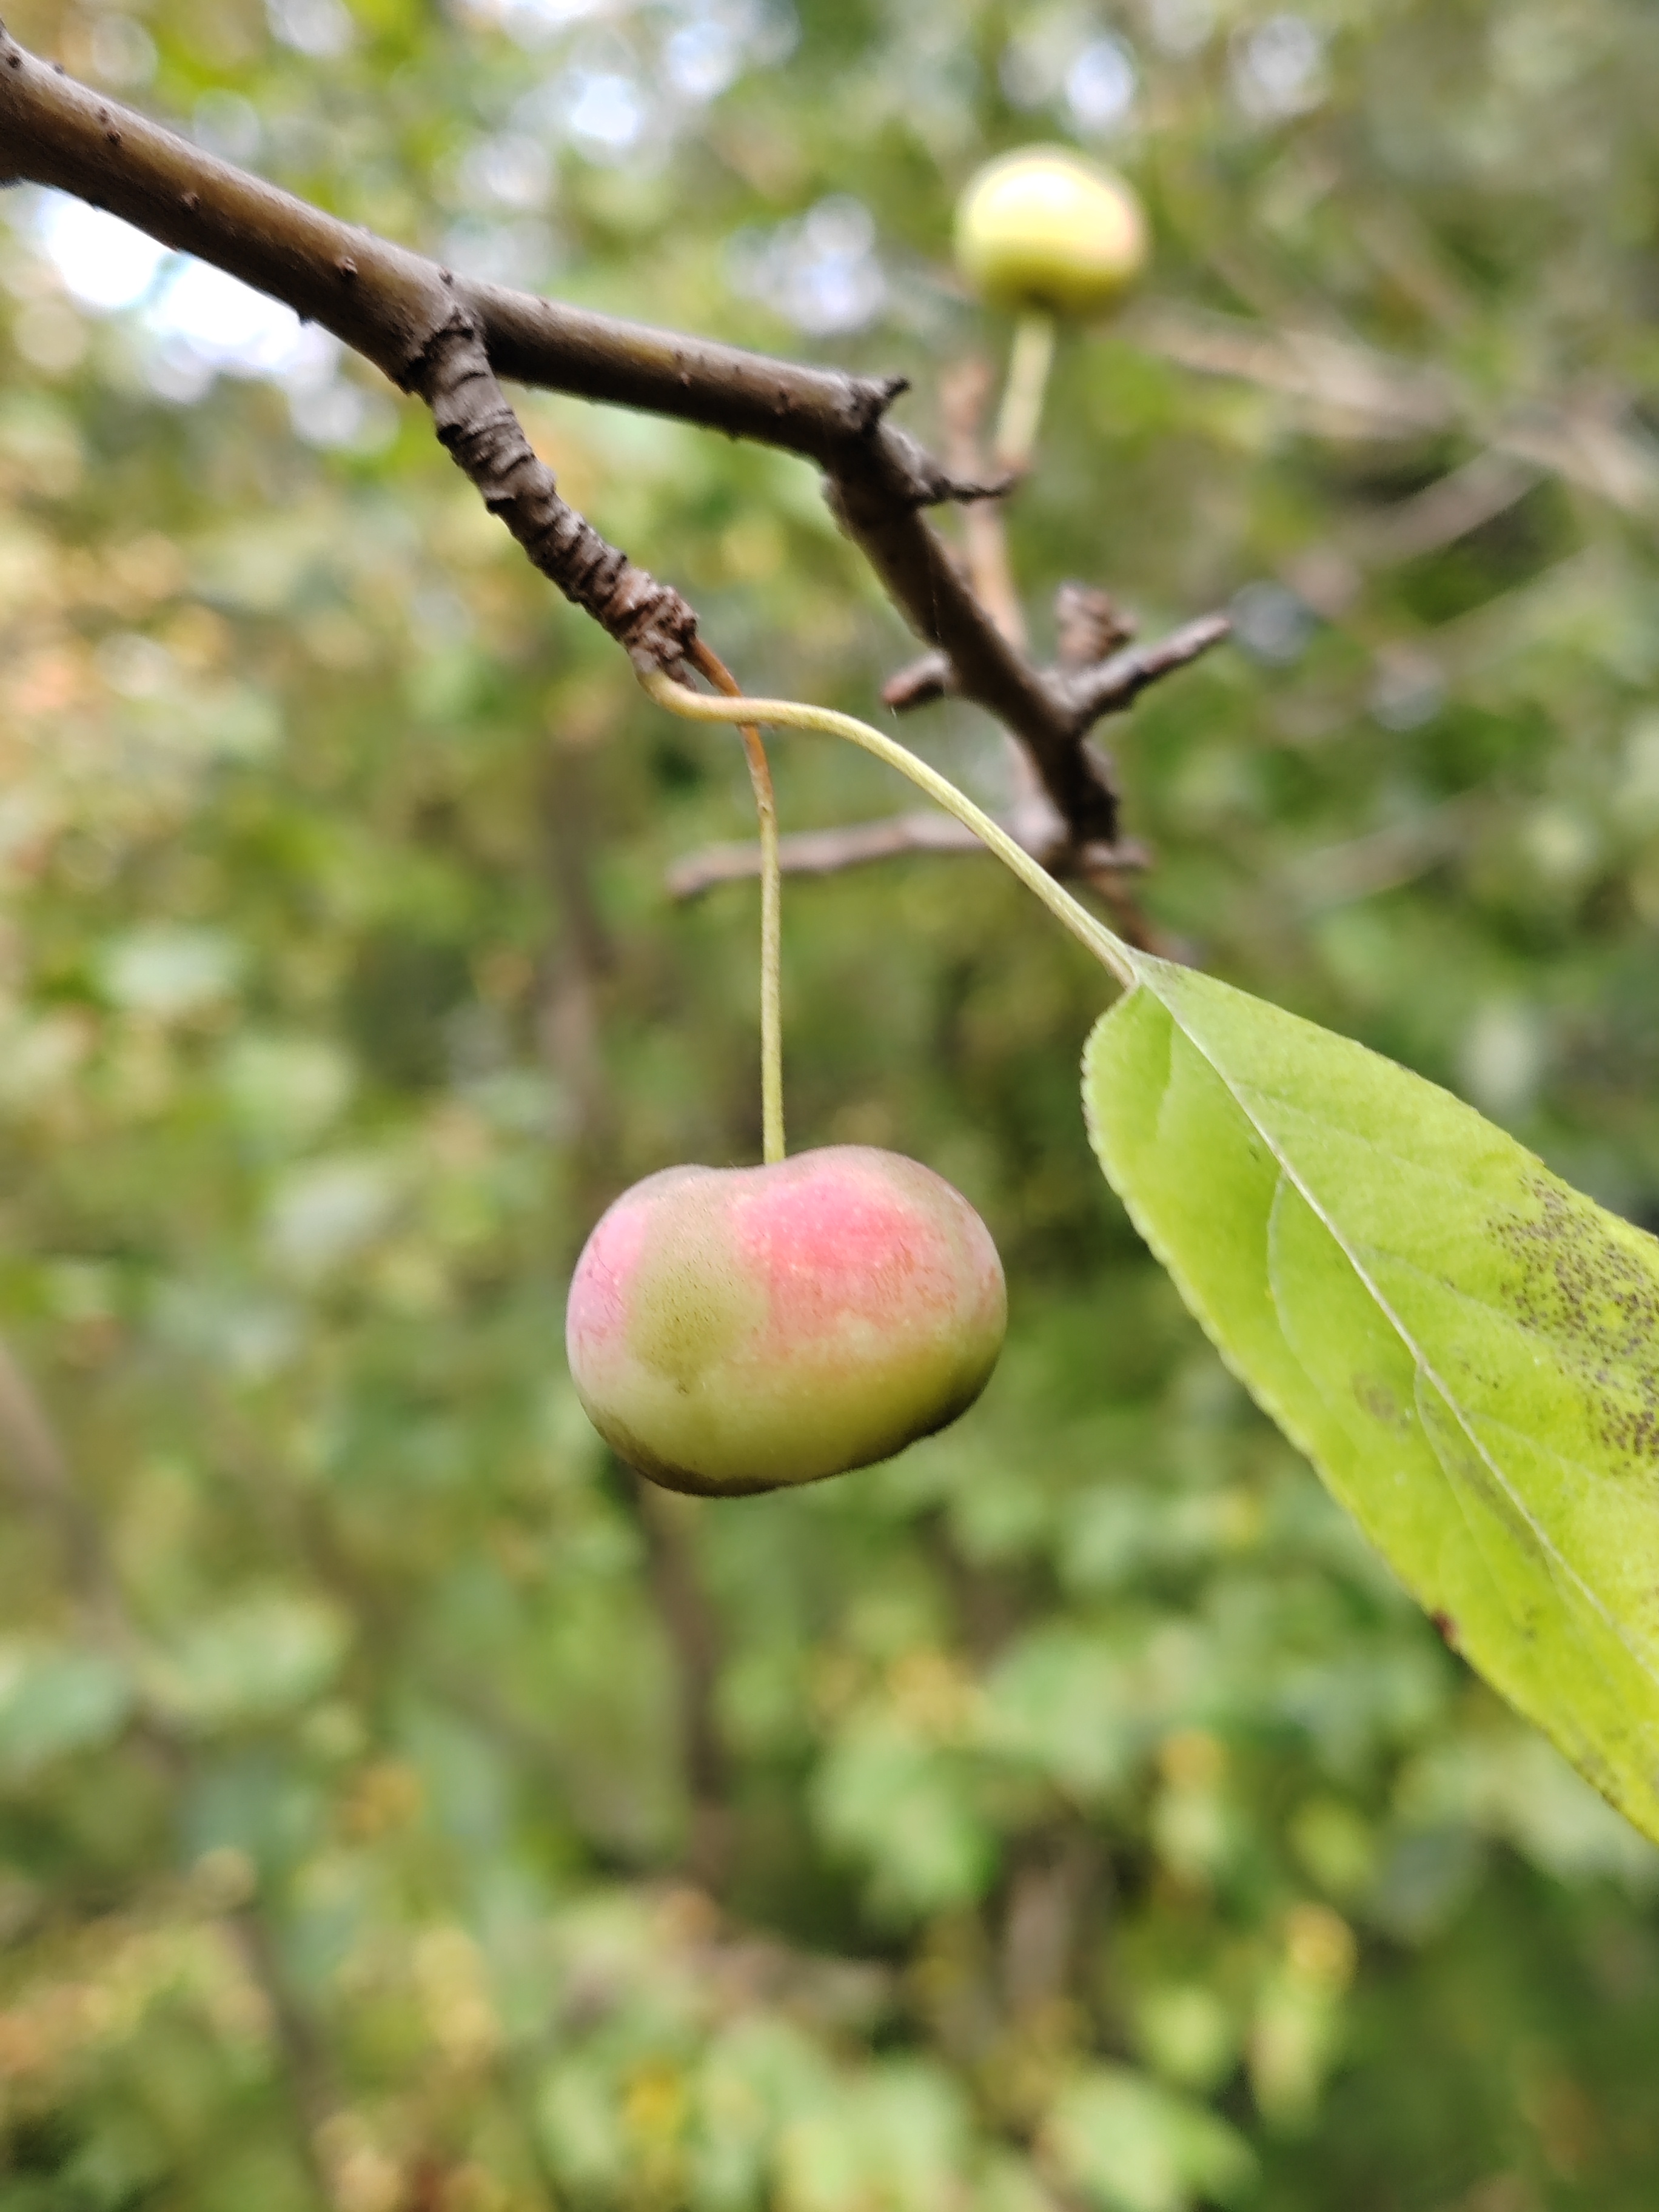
<point>795,714</point>
<point>760,778</point>
<point>1029,363</point>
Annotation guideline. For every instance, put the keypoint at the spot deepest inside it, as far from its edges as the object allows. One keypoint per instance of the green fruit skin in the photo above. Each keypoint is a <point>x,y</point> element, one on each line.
<point>739,1329</point>
<point>1043,228</point>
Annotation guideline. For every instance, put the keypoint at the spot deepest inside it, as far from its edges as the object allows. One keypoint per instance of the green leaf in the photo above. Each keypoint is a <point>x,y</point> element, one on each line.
<point>895,2135</point>
<point>56,1699</point>
<point>1466,1348</point>
<point>908,1810</point>
<point>255,1661</point>
<point>1128,2146</point>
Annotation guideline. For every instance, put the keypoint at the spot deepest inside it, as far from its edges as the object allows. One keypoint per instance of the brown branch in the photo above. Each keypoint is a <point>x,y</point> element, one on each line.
<point>1105,688</point>
<point>920,683</point>
<point>308,2076</point>
<point>33,1457</point>
<point>964,394</point>
<point>1088,625</point>
<point>1048,1897</point>
<point>1109,687</point>
<point>666,1523</point>
<point>573,970</point>
<point>819,414</point>
<point>399,310</point>
<point>650,621</point>
<point>424,329</point>
<point>820,851</point>
<point>827,852</point>
<point>1592,440</point>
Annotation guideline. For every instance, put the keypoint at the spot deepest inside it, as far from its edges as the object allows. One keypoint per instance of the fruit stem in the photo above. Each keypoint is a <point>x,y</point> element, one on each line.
<point>795,714</point>
<point>1028,363</point>
<point>760,778</point>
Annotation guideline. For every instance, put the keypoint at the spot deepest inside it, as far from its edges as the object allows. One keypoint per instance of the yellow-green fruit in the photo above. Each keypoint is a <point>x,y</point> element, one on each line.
<point>1044,228</point>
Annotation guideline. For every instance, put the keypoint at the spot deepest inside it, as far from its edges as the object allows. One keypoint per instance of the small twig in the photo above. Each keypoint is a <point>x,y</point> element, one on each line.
<point>1037,828</point>
<point>800,715</point>
<point>1446,510</point>
<point>1110,687</point>
<point>1092,673</point>
<point>1594,442</point>
<point>306,2070</point>
<point>34,1459</point>
<point>1388,396</point>
<point>920,683</point>
<point>1088,625</point>
<point>820,851</point>
<point>964,392</point>
<point>572,970</point>
<point>1384,859</point>
<point>666,1523</point>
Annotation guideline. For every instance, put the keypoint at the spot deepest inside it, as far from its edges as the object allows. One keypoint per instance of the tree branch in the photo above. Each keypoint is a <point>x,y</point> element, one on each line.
<point>1105,687</point>
<point>666,1523</point>
<point>1111,685</point>
<point>401,312</point>
<point>1593,440</point>
<point>35,1461</point>
<point>448,340</point>
<point>485,438</point>
<point>827,852</point>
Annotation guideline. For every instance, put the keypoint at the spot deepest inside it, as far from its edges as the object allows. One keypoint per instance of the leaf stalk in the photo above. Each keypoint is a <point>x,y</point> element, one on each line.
<point>796,714</point>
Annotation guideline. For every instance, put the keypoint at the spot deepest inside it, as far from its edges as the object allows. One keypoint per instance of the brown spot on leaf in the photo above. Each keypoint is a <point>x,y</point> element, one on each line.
<point>1374,1396</point>
<point>1590,1287</point>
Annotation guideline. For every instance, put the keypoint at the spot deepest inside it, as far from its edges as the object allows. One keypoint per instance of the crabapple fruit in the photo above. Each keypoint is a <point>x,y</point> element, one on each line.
<point>1042,228</point>
<point>740,1329</point>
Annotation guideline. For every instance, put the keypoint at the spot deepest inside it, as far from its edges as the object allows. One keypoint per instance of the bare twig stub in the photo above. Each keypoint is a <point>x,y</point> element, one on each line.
<point>920,683</point>
<point>1088,625</point>
<point>965,392</point>
<point>1110,686</point>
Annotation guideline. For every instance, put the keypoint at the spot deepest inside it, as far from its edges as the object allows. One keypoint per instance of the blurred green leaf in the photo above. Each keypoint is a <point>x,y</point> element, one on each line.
<point>169,971</point>
<point>1129,2146</point>
<point>898,2136</point>
<point>254,1661</point>
<point>55,1700</point>
<point>906,1810</point>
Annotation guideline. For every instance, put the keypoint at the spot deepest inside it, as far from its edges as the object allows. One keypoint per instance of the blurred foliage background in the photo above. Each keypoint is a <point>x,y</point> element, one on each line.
<point>399,1811</point>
